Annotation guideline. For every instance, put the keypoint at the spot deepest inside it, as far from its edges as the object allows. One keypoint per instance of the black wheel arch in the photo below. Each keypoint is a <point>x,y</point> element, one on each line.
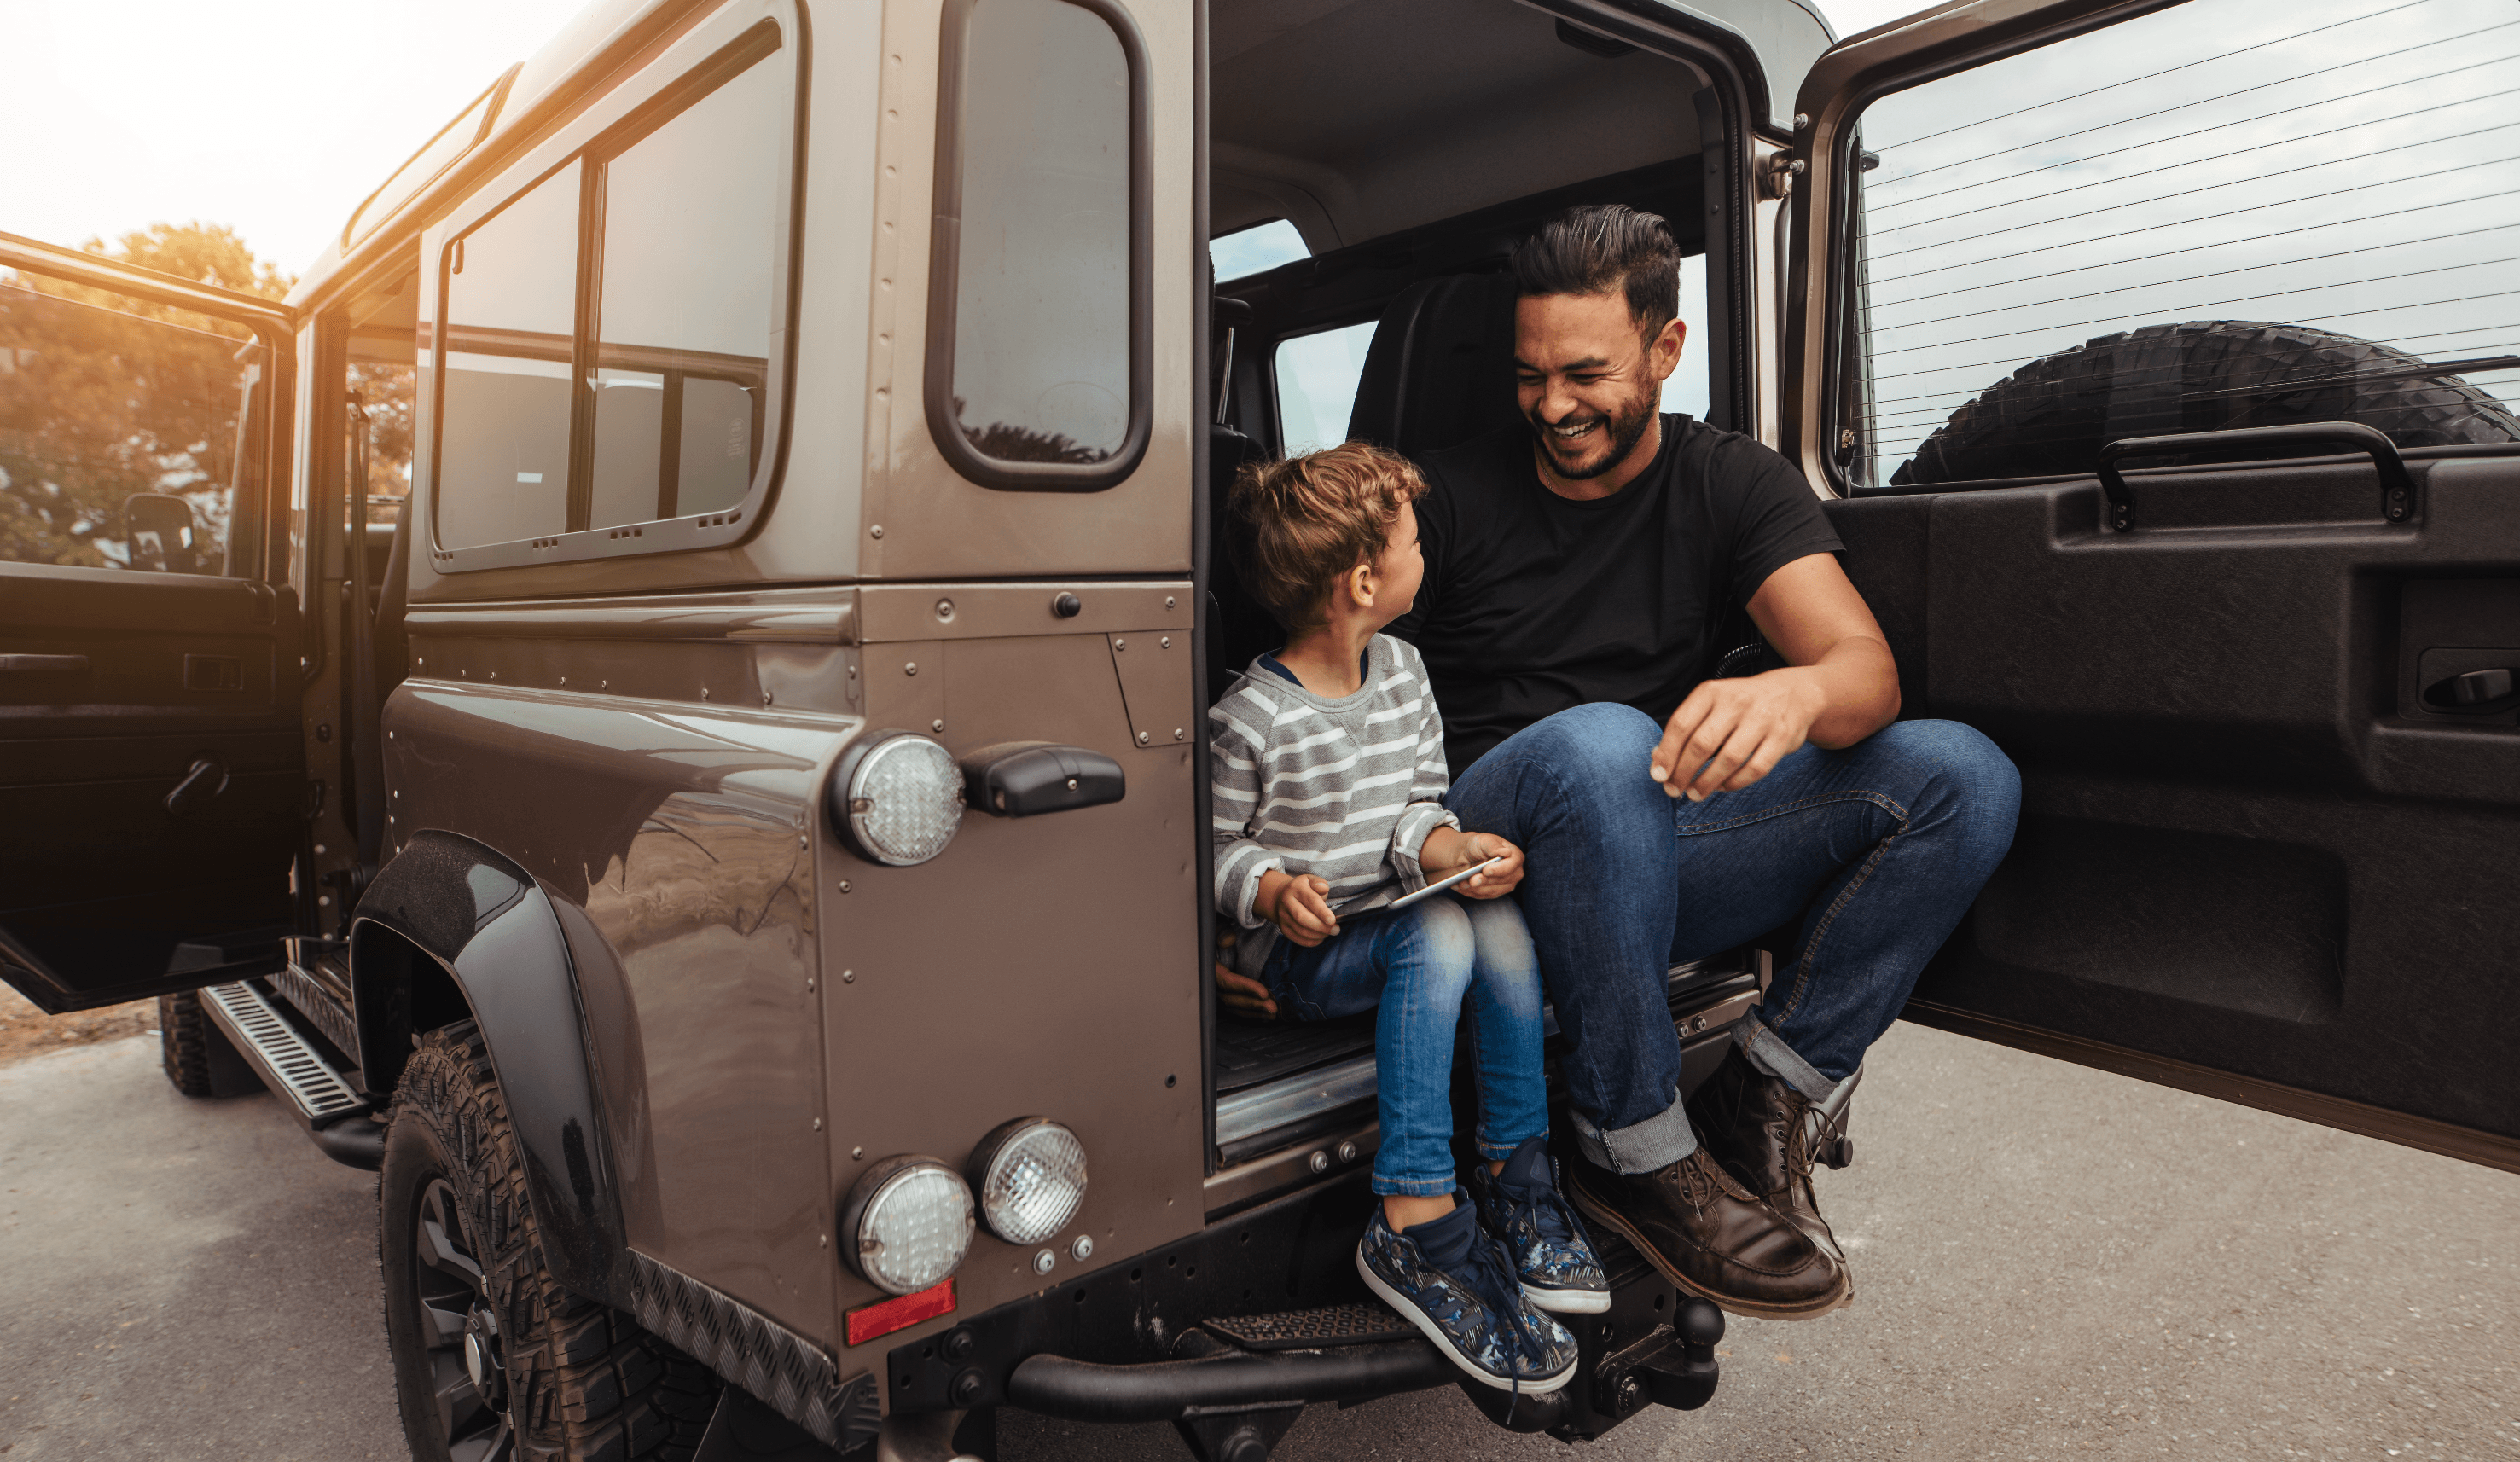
<point>449,930</point>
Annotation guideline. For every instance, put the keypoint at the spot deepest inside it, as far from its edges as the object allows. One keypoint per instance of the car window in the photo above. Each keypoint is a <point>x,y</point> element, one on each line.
<point>504,405</point>
<point>1255,250</point>
<point>681,372</point>
<point>2229,213</point>
<point>1036,322</point>
<point>120,425</point>
<point>1317,376</point>
<point>650,396</point>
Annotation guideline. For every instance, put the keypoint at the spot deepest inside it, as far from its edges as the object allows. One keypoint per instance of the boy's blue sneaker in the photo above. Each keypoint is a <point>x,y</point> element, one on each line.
<point>1448,1278</point>
<point>1543,1239</point>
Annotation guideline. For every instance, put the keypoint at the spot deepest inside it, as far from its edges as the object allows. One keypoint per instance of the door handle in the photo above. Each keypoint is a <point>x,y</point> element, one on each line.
<point>1027,778</point>
<point>200,786</point>
<point>43,664</point>
<point>2474,691</point>
<point>2397,489</point>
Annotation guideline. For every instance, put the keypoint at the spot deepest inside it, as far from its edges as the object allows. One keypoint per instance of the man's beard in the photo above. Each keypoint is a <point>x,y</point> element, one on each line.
<point>1626,428</point>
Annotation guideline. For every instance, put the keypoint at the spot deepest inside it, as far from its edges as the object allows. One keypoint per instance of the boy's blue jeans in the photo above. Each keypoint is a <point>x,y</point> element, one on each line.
<point>1417,966</point>
<point>1873,853</point>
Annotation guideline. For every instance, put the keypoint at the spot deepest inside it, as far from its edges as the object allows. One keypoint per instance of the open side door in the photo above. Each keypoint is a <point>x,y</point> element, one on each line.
<point>2168,411</point>
<point>151,769</point>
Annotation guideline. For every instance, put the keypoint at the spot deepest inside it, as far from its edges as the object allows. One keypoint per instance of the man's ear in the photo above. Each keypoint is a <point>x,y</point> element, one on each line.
<point>1662,352</point>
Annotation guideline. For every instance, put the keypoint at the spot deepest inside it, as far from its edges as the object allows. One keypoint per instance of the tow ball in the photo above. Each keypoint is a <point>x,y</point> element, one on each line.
<point>1674,1365</point>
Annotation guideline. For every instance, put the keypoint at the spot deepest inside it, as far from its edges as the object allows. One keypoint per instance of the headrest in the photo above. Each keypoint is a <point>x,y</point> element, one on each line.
<point>1440,371</point>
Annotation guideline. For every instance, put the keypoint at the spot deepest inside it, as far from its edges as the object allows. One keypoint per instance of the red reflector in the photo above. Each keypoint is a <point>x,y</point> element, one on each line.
<point>869,1321</point>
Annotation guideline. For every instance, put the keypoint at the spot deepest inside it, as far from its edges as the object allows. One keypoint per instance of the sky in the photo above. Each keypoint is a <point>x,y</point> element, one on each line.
<point>274,116</point>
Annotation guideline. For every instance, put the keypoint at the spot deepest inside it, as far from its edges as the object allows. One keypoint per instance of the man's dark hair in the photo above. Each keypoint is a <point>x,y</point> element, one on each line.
<point>1601,247</point>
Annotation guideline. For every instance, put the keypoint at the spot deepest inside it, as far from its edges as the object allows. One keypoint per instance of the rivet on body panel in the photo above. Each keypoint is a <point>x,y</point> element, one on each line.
<point>809,983</point>
<point>1166,643</point>
<point>857,1154</point>
<point>944,609</point>
<point>1179,734</point>
<point>909,667</point>
<point>1145,738</point>
<point>765,697</point>
<point>319,850</point>
<point>844,888</point>
<point>803,841</point>
<point>818,1124</point>
<point>1347,1152</point>
<point>1168,602</point>
<point>1319,1161</point>
<point>876,532</point>
<point>703,692</point>
<point>1083,1248</point>
<point>1119,645</point>
<point>847,976</point>
<point>938,727</point>
<point>1044,1262</point>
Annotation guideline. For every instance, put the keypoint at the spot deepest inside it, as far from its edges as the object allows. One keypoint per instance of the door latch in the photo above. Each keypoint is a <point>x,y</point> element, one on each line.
<point>200,786</point>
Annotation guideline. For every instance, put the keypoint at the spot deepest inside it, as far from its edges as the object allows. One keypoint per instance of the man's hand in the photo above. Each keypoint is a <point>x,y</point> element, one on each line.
<point>1447,851</point>
<point>1244,995</point>
<point>1839,686</point>
<point>1299,904</point>
<point>1732,733</point>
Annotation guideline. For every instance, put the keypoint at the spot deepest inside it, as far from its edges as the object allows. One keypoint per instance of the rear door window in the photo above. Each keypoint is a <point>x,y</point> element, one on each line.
<point>1038,329</point>
<point>2230,213</point>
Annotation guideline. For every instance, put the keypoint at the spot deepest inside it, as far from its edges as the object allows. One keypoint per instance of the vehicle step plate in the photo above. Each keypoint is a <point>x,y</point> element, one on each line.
<point>285,1058</point>
<point>1314,1329</point>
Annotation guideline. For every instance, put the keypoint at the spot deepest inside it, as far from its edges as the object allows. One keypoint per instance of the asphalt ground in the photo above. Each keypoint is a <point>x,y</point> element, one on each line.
<point>2051,1262</point>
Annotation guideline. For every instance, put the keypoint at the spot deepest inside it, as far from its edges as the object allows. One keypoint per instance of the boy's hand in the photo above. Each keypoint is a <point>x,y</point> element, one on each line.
<point>1448,851</point>
<point>1244,995</point>
<point>1299,904</point>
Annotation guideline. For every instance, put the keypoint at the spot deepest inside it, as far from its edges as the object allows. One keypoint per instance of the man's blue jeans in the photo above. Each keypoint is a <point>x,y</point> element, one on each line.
<point>1876,850</point>
<point>1417,966</point>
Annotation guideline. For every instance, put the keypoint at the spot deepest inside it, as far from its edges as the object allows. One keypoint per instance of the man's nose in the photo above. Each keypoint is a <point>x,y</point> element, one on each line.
<point>1557,402</point>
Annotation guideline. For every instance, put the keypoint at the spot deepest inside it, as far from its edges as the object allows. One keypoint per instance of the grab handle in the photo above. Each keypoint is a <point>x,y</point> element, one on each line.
<point>2397,489</point>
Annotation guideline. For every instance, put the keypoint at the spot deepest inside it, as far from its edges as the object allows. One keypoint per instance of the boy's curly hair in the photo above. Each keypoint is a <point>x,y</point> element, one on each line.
<point>1302,522</point>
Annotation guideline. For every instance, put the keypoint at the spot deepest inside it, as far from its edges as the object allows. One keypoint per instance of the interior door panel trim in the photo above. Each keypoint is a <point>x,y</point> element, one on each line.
<point>2482,1148</point>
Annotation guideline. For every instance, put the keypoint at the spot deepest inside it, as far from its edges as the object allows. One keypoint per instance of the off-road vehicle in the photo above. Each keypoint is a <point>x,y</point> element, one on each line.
<point>657,700</point>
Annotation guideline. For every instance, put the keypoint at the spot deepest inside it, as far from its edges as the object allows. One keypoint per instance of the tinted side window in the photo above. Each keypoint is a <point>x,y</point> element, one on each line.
<point>2230,213</point>
<point>1037,327</point>
<point>681,368</point>
<point>120,425</point>
<point>504,410</point>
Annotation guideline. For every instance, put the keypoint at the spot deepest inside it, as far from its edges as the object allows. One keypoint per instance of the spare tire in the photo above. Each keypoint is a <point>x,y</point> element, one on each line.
<point>2051,416</point>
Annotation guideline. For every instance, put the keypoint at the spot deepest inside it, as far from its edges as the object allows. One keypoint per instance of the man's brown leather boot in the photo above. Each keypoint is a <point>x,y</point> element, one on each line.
<point>1712,1237</point>
<point>1759,1127</point>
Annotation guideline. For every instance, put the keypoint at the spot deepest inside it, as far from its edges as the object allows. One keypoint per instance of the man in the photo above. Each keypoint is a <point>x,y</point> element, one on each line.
<point>1578,568</point>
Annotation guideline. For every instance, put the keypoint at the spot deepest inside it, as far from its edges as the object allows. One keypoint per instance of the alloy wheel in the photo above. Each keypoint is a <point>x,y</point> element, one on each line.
<point>458,1331</point>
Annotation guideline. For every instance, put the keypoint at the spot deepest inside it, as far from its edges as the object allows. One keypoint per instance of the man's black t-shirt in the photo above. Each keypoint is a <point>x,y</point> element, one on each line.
<point>1533,602</point>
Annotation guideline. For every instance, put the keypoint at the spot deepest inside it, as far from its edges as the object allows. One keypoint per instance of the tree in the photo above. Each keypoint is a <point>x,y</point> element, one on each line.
<point>104,396</point>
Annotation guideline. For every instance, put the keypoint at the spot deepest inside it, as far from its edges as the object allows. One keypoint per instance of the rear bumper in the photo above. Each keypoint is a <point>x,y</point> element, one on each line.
<point>1233,1381</point>
<point>1144,1339</point>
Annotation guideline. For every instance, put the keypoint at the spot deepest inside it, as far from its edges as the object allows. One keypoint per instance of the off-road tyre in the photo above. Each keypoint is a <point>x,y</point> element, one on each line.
<point>2051,416</point>
<point>583,1381</point>
<point>198,1057</point>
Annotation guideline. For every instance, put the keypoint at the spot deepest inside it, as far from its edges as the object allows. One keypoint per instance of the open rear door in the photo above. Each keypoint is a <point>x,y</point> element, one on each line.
<point>150,762</point>
<point>2164,359</point>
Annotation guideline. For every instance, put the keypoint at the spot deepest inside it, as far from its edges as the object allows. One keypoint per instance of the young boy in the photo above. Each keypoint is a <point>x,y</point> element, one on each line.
<point>1327,762</point>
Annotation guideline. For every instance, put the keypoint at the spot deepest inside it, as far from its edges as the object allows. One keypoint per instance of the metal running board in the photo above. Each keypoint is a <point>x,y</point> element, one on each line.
<point>288,1065</point>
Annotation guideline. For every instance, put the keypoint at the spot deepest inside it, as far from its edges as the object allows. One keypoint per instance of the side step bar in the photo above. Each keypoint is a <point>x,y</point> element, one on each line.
<point>333,1114</point>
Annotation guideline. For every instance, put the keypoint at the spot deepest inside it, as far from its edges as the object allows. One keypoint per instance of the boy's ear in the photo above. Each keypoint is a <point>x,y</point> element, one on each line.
<point>1361,584</point>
